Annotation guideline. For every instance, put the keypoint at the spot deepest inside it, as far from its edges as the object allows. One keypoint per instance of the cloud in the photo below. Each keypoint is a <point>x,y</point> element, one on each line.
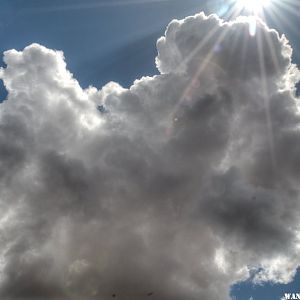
<point>184,183</point>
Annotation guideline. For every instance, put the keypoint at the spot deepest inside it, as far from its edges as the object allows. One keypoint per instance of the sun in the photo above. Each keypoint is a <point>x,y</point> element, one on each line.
<point>254,6</point>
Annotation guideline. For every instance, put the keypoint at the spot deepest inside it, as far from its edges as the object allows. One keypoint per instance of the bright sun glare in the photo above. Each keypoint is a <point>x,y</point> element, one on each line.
<point>254,6</point>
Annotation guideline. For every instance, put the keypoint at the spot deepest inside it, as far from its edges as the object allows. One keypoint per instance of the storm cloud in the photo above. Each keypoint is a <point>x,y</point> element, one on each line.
<point>180,185</point>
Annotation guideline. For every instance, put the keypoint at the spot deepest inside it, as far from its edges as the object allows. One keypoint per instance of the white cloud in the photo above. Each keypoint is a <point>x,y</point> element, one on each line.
<point>186,181</point>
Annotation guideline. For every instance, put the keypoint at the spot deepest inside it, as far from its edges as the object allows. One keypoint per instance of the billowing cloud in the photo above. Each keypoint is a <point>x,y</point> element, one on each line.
<point>175,188</point>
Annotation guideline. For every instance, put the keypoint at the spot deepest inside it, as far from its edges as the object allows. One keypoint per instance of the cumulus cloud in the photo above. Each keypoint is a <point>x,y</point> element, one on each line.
<point>179,186</point>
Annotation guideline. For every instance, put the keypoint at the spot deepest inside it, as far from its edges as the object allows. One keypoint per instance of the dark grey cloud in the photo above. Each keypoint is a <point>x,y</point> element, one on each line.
<point>182,185</point>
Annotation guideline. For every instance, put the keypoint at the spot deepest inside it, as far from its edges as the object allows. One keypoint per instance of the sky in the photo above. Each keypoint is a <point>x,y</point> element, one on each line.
<point>149,149</point>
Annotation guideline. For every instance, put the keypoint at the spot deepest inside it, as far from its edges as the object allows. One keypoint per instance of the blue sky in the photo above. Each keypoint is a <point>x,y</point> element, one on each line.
<point>269,291</point>
<point>110,42</point>
<point>116,41</point>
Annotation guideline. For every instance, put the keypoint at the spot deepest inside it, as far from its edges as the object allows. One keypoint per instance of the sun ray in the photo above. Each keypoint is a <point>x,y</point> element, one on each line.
<point>271,48</point>
<point>290,8</point>
<point>282,21</point>
<point>234,11</point>
<point>244,50</point>
<point>255,7</point>
<point>265,96</point>
<point>207,60</point>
